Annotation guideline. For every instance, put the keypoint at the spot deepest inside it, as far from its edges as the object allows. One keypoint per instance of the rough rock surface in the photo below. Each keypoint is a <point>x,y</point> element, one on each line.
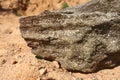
<point>84,38</point>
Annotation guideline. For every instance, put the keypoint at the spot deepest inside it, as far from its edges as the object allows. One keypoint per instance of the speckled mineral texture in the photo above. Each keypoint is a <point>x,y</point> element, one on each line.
<point>84,38</point>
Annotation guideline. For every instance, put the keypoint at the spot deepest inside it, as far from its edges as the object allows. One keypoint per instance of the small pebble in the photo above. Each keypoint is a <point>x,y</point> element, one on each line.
<point>14,62</point>
<point>42,71</point>
<point>56,64</point>
<point>3,61</point>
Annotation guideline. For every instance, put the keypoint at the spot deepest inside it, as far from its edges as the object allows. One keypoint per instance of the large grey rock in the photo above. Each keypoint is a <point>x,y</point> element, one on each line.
<point>84,38</point>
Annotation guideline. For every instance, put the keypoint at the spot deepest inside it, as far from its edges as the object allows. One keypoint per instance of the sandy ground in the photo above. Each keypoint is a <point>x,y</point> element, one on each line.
<point>18,63</point>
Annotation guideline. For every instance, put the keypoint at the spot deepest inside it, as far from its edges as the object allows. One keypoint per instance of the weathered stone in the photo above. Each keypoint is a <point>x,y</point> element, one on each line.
<point>84,38</point>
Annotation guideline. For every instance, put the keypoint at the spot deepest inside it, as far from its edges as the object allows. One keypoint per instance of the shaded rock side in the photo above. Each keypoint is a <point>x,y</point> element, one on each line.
<point>78,38</point>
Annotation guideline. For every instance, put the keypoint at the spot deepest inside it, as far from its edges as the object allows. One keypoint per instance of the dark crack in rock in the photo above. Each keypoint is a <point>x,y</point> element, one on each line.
<point>84,38</point>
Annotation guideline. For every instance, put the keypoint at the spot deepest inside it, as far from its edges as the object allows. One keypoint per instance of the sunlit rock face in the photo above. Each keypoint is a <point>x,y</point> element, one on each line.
<point>83,38</point>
